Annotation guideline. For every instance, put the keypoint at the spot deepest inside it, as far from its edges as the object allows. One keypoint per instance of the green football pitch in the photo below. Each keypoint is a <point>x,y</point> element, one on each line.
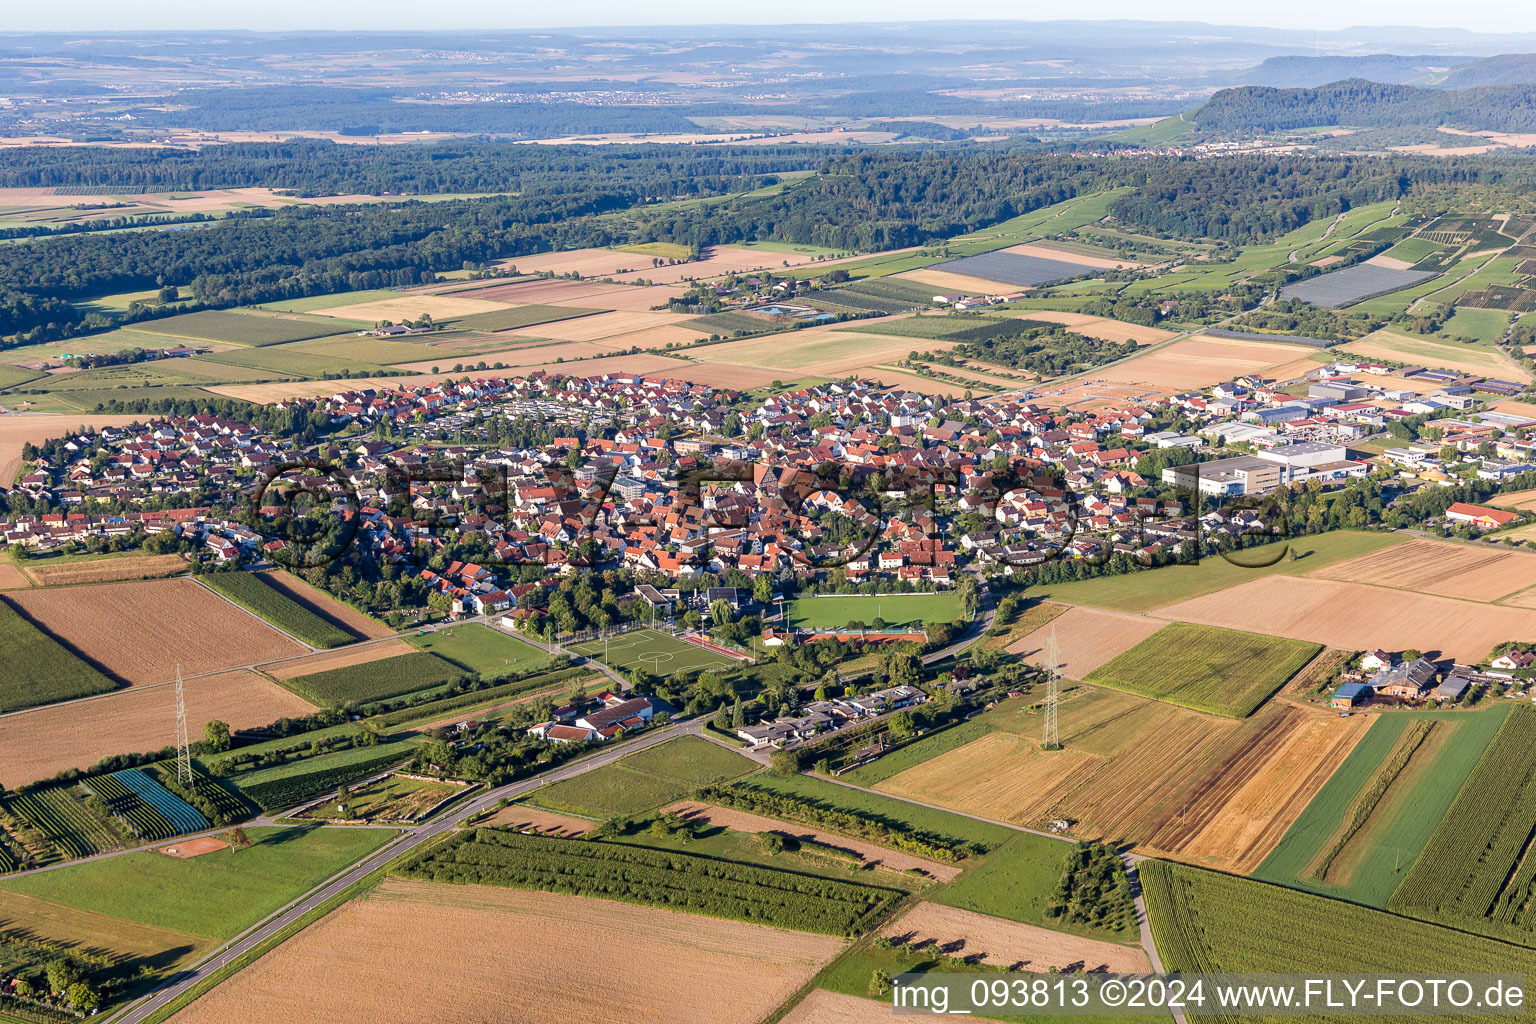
<point>652,651</point>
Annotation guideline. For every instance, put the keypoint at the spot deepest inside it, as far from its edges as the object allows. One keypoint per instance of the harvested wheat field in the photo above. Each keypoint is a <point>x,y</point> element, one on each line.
<point>292,668</point>
<point>348,967</point>
<point>600,326</point>
<point>326,606</point>
<point>654,366</point>
<point>942,281</point>
<point>822,350</point>
<point>1087,638</point>
<point>410,307</point>
<point>142,632</point>
<point>17,429</point>
<point>1102,327</point>
<point>43,742</point>
<point>1517,408</point>
<point>1046,251</point>
<point>107,570</point>
<point>522,818</point>
<point>1358,617</point>
<point>1198,362</point>
<point>126,940</point>
<point>823,1007</point>
<point>586,262</point>
<point>523,355</point>
<point>999,776</point>
<point>726,375</point>
<point>1004,943</point>
<point>1236,815</point>
<point>1524,501</point>
<point>742,821</point>
<point>1389,344</point>
<point>1442,568</point>
<point>579,294</point>
<point>282,390</point>
<point>12,578</point>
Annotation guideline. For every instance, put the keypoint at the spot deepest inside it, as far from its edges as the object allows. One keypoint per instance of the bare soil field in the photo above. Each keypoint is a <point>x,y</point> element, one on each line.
<point>107,570</point>
<point>1358,617</point>
<point>523,818</point>
<point>1087,637</point>
<point>727,375</point>
<point>1005,943</point>
<point>524,355</point>
<point>742,821</point>
<point>817,350</point>
<point>1050,252</point>
<point>1440,567</point>
<point>409,307</point>
<point>1093,394</point>
<point>717,261</point>
<point>600,326</point>
<point>1525,501</point>
<point>1102,327</point>
<point>43,742</point>
<point>141,632</point>
<point>348,968</point>
<point>279,391</point>
<point>999,776</point>
<point>1388,344</point>
<point>648,364</point>
<point>17,429</point>
<point>194,848</point>
<point>1517,408</point>
<point>89,930</point>
<point>943,282</point>
<point>823,1007</point>
<point>342,658</point>
<point>1199,361</point>
<point>1233,818</point>
<point>12,578</point>
<point>323,604</point>
<point>579,294</point>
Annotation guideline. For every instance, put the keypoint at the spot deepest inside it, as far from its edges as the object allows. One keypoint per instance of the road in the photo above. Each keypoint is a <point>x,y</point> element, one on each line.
<point>410,839</point>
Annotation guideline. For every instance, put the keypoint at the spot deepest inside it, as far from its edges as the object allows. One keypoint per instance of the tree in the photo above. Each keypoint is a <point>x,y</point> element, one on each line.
<point>237,838</point>
<point>762,588</point>
<point>216,737</point>
<point>84,997</point>
<point>61,974</point>
<point>170,293</point>
<point>784,762</point>
<point>720,612</point>
<point>901,724</point>
<point>879,982</point>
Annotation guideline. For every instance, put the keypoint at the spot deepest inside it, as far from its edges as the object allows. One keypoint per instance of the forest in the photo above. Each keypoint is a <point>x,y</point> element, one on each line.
<point>1357,102</point>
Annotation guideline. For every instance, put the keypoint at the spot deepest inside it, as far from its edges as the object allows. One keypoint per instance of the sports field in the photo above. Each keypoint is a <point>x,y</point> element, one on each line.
<point>654,652</point>
<point>895,610</point>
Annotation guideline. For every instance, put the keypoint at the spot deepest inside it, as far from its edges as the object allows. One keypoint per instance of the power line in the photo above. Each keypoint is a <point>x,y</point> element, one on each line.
<point>1052,737</point>
<point>183,748</point>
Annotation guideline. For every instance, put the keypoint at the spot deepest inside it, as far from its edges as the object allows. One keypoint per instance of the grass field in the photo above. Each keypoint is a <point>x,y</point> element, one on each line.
<point>477,648</point>
<point>663,250</point>
<point>1207,668</point>
<point>1153,588</point>
<point>1017,880</point>
<point>320,763</point>
<point>522,316</point>
<point>236,328</point>
<point>654,652</point>
<point>1390,842</point>
<point>374,680</point>
<point>312,302</point>
<point>285,360</point>
<point>1204,921</point>
<point>36,669</point>
<point>216,895</point>
<point>899,610</point>
<point>650,778</point>
<point>250,591</point>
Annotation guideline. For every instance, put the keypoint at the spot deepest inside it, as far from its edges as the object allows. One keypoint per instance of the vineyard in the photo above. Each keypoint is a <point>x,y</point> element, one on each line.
<point>278,788</point>
<point>1211,922</point>
<point>59,819</point>
<point>209,797</point>
<point>1478,868</point>
<point>698,885</point>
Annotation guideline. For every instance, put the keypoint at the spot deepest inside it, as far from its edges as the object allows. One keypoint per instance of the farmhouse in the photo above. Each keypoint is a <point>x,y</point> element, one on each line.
<point>1410,680</point>
<point>1349,695</point>
<point>1479,516</point>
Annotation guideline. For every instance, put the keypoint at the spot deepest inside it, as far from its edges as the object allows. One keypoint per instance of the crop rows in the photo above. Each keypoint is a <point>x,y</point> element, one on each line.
<point>7,862</point>
<point>144,821</point>
<point>1365,804</point>
<point>1477,848</point>
<point>278,793</point>
<point>375,680</point>
<point>208,797</point>
<point>162,800</point>
<point>252,593</point>
<point>700,885</point>
<point>60,823</point>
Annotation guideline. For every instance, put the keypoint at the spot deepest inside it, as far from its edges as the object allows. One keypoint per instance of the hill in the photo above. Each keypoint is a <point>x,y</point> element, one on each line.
<point>1297,72</point>
<point>1505,69</point>
<point>1355,102</point>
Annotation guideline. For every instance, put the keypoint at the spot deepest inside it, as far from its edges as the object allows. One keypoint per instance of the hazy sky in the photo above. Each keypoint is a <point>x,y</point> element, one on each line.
<point>114,15</point>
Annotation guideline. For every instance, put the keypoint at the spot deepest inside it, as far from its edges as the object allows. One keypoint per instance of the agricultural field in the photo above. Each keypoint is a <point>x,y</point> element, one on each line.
<point>374,680</point>
<point>36,669</point>
<point>287,785</point>
<point>477,648</point>
<point>1217,670</point>
<point>649,778</point>
<point>1480,359</point>
<point>461,969</point>
<point>898,610</point>
<point>1197,362</point>
<point>1374,814</point>
<point>1085,637</point>
<point>1477,870</point>
<point>395,798</point>
<point>398,307</point>
<point>286,361</point>
<point>1356,617</point>
<point>16,431</point>
<point>62,572</point>
<point>45,741</point>
<point>327,607</point>
<point>654,651</point>
<point>143,632</point>
<point>1204,921</point>
<point>250,591</point>
<point>667,878</point>
<point>1004,942</point>
<point>234,328</point>
<point>1475,573</point>
<point>1354,284</point>
<point>59,822</point>
<point>344,657</point>
<point>214,896</point>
